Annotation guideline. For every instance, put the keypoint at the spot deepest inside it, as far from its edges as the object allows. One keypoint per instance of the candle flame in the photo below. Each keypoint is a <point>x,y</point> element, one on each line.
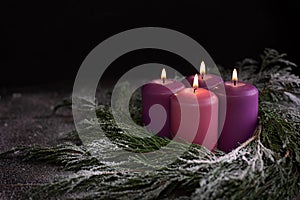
<point>234,75</point>
<point>163,74</point>
<point>202,68</point>
<point>195,83</point>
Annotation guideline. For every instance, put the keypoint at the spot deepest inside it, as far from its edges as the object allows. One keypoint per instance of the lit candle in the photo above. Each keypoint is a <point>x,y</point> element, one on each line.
<point>241,112</point>
<point>194,115</point>
<point>156,104</point>
<point>206,81</point>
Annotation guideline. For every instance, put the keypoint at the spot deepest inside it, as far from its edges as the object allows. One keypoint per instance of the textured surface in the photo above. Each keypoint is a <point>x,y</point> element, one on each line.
<point>17,177</point>
<point>25,119</point>
<point>26,116</point>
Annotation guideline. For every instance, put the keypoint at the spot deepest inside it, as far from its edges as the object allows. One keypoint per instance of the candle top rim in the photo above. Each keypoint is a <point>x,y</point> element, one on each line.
<point>202,95</point>
<point>240,89</point>
<point>170,86</point>
<point>208,76</point>
<point>208,81</point>
<point>160,82</point>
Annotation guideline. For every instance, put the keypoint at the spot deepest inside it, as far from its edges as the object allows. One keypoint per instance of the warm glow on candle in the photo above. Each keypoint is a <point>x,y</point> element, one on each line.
<point>234,76</point>
<point>202,69</point>
<point>195,83</point>
<point>163,75</point>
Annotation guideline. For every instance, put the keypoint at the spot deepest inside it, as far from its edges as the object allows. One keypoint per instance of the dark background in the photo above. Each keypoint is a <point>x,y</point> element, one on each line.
<point>45,42</point>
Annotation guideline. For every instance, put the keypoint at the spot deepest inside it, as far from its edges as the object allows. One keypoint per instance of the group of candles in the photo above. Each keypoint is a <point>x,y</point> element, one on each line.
<point>202,109</point>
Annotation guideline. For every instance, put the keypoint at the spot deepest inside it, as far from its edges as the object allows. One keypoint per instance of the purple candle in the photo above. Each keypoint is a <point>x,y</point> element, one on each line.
<point>206,81</point>
<point>156,104</point>
<point>241,113</point>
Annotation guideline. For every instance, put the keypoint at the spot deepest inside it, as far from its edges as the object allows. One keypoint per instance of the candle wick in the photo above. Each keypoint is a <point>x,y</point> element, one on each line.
<point>202,76</point>
<point>163,80</point>
<point>195,90</point>
<point>234,82</point>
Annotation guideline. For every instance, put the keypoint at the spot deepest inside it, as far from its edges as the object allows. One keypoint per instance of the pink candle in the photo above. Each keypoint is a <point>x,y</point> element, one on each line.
<point>241,113</point>
<point>194,116</point>
<point>156,104</point>
<point>206,81</point>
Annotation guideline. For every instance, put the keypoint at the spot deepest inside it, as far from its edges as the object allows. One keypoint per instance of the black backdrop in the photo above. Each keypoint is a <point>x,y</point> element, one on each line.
<point>45,42</point>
